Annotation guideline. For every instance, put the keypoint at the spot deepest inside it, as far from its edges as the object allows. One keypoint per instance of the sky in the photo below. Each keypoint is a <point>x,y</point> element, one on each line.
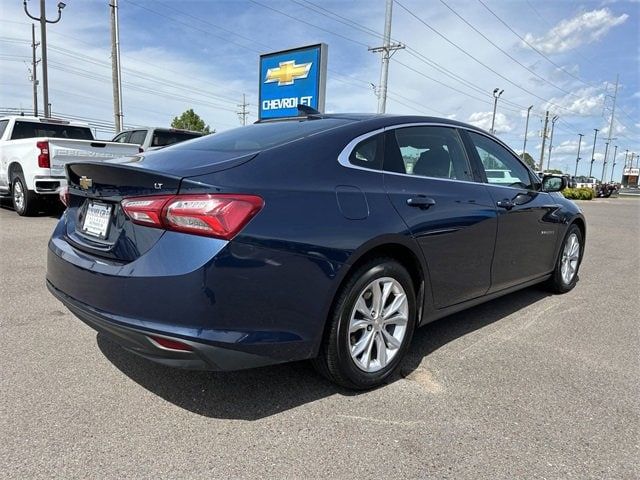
<point>559,56</point>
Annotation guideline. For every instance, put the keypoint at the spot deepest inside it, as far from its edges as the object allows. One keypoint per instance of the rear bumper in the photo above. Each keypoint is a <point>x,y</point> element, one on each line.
<point>202,357</point>
<point>237,305</point>
<point>48,185</point>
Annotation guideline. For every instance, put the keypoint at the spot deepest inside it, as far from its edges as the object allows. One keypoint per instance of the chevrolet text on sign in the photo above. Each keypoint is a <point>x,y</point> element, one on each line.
<point>291,78</point>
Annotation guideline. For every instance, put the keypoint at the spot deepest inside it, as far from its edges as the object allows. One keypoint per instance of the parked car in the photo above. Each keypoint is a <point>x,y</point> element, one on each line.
<point>155,138</point>
<point>501,176</point>
<point>306,239</point>
<point>586,182</point>
<point>34,150</point>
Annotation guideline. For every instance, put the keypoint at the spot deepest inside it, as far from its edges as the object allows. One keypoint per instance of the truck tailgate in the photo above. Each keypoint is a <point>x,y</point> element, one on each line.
<point>62,151</point>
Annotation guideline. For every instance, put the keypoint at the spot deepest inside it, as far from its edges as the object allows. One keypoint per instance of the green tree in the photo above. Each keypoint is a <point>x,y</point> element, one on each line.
<point>528,159</point>
<point>190,120</point>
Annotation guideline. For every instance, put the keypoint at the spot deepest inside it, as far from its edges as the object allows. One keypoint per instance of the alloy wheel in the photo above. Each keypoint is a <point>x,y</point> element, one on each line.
<point>18,195</point>
<point>378,324</point>
<point>570,258</point>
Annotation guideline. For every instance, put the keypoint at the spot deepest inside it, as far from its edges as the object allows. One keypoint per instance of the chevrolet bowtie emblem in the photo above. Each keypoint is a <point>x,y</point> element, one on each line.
<point>85,182</point>
<point>288,72</point>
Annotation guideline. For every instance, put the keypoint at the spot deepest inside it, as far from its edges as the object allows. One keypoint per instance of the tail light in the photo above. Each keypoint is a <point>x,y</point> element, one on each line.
<point>43,157</point>
<point>63,192</point>
<point>211,215</point>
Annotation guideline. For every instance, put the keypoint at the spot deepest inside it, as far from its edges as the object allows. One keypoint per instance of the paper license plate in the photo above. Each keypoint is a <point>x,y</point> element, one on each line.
<point>97,219</point>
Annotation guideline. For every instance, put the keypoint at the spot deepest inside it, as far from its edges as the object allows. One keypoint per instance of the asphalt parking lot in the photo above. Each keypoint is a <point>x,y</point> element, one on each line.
<point>526,386</point>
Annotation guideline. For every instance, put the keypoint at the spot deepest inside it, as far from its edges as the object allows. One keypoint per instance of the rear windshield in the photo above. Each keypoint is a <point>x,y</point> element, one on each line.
<point>33,129</point>
<point>162,138</point>
<point>261,136</point>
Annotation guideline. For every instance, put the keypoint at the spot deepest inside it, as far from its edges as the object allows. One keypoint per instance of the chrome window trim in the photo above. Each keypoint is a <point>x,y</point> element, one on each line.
<point>343,157</point>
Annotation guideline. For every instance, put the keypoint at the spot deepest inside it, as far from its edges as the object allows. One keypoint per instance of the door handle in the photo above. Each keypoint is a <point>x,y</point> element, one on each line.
<point>421,202</point>
<point>506,204</point>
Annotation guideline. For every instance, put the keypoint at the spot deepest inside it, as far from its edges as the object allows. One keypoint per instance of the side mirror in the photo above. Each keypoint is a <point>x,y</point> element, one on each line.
<point>552,183</point>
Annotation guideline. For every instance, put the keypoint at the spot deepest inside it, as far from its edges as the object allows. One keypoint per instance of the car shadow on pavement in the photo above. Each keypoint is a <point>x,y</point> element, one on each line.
<point>262,392</point>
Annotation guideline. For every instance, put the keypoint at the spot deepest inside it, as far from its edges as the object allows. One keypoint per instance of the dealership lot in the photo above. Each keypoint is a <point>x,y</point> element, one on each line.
<point>529,385</point>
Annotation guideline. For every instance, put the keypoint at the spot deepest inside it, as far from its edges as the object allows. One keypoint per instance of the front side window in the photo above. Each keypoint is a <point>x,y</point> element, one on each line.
<point>427,152</point>
<point>137,137</point>
<point>500,165</point>
<point>121,138</point>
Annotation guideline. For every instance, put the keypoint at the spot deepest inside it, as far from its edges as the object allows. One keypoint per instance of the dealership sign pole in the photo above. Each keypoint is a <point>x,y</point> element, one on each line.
<point>290,78</point>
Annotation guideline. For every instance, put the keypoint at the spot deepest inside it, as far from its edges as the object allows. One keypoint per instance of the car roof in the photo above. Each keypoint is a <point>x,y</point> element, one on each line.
<point>394,119</point>
<point>53,121</point>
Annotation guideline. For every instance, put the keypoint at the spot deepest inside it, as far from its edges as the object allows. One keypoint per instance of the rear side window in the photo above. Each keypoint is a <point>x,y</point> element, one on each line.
<point>162,138</point>
<point>500,165</point>
<point>3,126</point>
<point>368,153</point>
<point>32,129</point>
<point>435,152</point>
<point>260,136</point>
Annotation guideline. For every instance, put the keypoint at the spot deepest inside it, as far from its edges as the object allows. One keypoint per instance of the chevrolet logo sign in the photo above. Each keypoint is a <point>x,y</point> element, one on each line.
<point>288,72</point>
<point>85,183</point>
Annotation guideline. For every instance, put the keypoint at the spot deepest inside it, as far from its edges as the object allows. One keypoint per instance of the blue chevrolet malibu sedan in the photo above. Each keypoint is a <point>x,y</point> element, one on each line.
<point>328,237</point>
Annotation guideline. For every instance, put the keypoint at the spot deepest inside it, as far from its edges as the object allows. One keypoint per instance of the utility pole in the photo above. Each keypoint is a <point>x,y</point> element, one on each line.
<point>526,131</point>
<point>43,43</point>
<point>613,112</point>
<point>544,140</point>
<point>387,49</point>
<point>34,67</point>
<point>604,164</point>
<point>593,152</point>
<point>553,126</point>
<point>613,165</point>
<point>496,95</point>
<point>116,72</point>
<point>626,156</point>
<point>242,114</point>
<point>580,135</point>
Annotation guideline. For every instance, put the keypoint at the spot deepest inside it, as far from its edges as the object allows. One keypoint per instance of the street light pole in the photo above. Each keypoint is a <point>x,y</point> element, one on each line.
<point>526,131</point>
<point>593,152</point>
<point>496,95</point>
<point>553,126</point>
<point>604,164</point>
<point>578,156</point>
<point>613,165</point>
<point>43,41</point>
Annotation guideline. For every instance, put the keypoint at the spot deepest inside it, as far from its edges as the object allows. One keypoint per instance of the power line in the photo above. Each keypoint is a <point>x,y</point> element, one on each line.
<point>458,47</point>
<point>533,72</point>
<point>308,23</point>
<point>529,44</point>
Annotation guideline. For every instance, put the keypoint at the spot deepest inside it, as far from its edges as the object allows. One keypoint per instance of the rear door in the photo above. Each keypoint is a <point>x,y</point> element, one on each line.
<point>428,178</point>
<point>527,224</point>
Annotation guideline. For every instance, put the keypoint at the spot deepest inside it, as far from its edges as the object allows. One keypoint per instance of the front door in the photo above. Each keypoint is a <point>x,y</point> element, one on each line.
<point>430,183</point>
<point>527,224</point>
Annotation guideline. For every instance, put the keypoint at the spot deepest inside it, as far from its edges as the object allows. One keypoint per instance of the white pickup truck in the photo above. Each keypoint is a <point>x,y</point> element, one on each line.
<point>33,152</point>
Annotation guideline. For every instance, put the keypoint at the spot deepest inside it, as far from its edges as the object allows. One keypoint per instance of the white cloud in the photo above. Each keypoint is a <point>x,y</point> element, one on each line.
<point>584,28</point>
<point>483,120</point>
<point>582,102</point>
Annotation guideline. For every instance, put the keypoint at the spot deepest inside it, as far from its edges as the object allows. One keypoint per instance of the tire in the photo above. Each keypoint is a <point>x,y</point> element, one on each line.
<point>382,352</point>
<point>565,274</point>
<point>25,202</point>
